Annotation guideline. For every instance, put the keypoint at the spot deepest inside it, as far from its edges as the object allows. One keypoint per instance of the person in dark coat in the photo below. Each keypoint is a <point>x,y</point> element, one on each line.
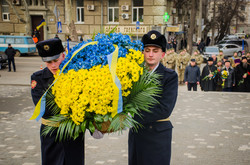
<point>53,152</point>
<point>200,46</point>
<point>192,76</point>
<point>208,76</point>
<point>175,45</point>
<point>151,144</point>
<point>10,52</point>
<point>182,43</point>
<point>169,45</point>
<point>242,73</point>
<point>229,82</point>
<point>208,41</point>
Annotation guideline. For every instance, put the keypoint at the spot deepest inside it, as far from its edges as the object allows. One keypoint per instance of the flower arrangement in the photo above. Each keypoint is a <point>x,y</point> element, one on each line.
<point>95,90</point>
<point>211,75</point>
<point>224,76</point>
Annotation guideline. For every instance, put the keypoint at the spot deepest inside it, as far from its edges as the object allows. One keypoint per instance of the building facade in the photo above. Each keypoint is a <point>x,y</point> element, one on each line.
<point>89,17</point>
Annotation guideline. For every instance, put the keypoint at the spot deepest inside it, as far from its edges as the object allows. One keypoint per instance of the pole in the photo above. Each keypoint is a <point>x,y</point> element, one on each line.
<point>213,24</point>
<point>200,20</point>
<point>137,33</point>
<point>102,30</point>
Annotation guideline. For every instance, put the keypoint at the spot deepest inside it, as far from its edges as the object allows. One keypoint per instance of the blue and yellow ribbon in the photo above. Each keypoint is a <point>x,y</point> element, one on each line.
<point>117,102</point>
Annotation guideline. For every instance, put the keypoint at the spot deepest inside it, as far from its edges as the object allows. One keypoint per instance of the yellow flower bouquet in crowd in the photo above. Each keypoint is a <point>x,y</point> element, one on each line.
<point>101,85</point>
<point>224,75</point>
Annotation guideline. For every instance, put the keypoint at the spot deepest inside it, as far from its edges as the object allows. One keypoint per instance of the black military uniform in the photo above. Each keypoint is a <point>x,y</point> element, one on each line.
<point>151,145</point>
<point>53,152</point>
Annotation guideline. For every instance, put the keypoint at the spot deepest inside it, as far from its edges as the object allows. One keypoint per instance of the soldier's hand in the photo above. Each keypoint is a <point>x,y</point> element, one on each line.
<point>198,83</point>
<point>186,83</point>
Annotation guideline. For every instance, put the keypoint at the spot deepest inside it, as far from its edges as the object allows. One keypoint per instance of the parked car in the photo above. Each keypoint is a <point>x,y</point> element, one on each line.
<point>22,44</point>
<point>229,37</point>
<point>209,51</point>
<point>229,49</point>
<point>236,41</point>
<point>3,60</point>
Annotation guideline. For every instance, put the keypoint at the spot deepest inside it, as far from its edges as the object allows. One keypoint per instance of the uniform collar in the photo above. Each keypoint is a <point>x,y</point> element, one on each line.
<point>47,73</point>
<point>155,68</point>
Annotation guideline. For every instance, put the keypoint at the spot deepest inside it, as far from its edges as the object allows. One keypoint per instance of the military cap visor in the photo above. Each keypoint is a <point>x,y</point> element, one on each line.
<point>47,59</point>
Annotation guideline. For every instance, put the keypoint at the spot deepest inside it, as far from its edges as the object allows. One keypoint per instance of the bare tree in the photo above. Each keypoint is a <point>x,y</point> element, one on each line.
<point>227,10</point>
<point>68,20</point>
<point>191,29</point>
<point>27,20</point>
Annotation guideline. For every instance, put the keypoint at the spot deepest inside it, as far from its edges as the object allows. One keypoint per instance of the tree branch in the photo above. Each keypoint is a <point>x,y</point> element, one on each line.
<point>14,10</point>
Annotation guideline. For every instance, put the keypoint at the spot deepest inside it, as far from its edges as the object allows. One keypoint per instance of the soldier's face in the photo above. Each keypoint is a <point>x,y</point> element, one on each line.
<point>210,63</point>
<point>192,63</point>
<point>53,65</point>
<point>153,55</point>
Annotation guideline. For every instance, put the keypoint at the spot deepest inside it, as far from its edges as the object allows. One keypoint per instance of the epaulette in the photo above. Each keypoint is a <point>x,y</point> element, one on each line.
<point>168,70</point>
<point>38,73</point>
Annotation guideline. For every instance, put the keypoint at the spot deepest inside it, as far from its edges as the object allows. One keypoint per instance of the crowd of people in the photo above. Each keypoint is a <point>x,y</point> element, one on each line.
<point>221,73</point>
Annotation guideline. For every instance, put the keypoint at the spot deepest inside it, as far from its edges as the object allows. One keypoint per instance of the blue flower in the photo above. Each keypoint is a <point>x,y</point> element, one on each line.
<point>93,55</point>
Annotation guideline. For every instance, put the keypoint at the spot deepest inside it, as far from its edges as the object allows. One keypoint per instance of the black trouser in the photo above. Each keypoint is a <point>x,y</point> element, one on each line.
<point>192,85</point>
<point>13,63</point>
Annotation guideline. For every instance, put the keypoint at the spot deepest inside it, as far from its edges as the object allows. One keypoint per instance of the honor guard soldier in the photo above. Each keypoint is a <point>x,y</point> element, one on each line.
<point>186,53</point>
<point>198,58</point>
<point>220,56</point>
<point>169,60</point>
<point>181,63</point>
<point>151,143</point>
<point>53,152</point>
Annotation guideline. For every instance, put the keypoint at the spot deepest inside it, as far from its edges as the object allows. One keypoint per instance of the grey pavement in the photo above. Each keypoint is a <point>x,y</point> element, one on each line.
<point>210,128</point>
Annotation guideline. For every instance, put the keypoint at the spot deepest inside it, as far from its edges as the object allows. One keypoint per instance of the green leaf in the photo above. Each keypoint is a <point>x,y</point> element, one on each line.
<point>91,127</point>
<point>106,118</point>
<point>98,118</point>
<point>77,131</point>
<point>83,126</point>
<point>112,31</point>
<point>99,126</point>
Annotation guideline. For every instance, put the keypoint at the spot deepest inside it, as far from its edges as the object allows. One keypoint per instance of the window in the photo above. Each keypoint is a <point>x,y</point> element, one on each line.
<point>137,10</point>
<point>10,40</point>
<point>80,11</point>
<point>30,41</point>
<point>35,2</point>
<point>19,41</point>
<point>113,11</point>
<point>1,40</point>
<point>5,11</point>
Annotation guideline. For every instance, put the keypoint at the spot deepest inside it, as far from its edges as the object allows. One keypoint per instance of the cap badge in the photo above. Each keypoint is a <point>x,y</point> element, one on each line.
<point>153,36</point>
<point>46,47</point>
